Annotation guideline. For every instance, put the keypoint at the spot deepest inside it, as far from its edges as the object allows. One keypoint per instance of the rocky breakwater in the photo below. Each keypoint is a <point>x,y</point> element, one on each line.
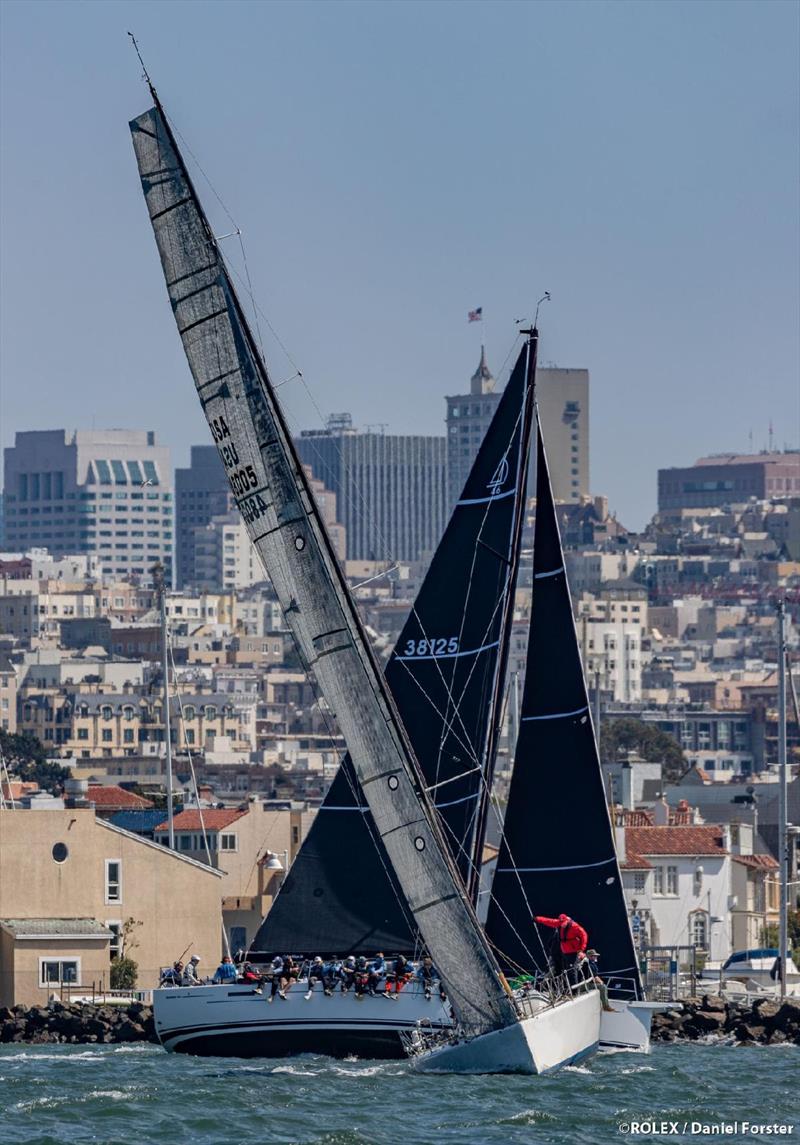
<point>77,1023</point>
<point>762,1022</point>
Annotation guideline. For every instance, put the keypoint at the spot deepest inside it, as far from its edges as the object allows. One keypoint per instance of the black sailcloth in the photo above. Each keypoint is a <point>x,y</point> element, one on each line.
<point>340,895</point>
<point>557,849</point>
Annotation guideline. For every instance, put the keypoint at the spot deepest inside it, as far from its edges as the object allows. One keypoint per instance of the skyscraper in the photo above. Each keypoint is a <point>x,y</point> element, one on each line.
<point>201,493</point>
<point>105,491</point>
<point>390,488</point>
<point>563,398</point>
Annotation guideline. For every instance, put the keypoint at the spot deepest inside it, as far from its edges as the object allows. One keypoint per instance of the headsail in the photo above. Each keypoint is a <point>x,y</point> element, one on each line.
<point>277,506</point>
<point>340,895</point>
<point>557,850</point>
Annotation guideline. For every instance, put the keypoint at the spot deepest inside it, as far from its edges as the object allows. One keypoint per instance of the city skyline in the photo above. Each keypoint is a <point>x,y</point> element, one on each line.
<point>386,186</point>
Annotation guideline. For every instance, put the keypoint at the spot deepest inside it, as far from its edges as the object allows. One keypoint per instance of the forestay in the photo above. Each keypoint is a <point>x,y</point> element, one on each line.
<point>277,506</point>
<point>557,850</point>
<point>340,895</point>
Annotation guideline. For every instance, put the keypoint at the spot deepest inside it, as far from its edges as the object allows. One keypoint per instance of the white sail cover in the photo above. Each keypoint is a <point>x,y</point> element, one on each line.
<point>277,507</point>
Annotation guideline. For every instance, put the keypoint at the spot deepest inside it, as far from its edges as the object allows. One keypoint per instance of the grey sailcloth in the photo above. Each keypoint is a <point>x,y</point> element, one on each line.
<point>278,509</point>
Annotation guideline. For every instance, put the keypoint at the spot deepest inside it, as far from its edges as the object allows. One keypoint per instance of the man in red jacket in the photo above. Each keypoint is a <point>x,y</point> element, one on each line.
<point>569,940</point>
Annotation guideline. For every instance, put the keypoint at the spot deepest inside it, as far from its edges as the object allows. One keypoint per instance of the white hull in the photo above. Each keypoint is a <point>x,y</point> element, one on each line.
<point>234,1021</point>
<point>555,1037</point>
<point>628,1026</point>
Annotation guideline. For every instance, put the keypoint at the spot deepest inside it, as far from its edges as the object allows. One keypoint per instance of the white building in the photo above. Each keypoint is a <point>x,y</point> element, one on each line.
<point>612,650</point>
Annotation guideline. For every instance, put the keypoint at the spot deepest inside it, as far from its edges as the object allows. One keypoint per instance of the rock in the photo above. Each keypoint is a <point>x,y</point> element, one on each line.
<point>788,1016</point>
<point>6,1014</point>
<point>765,1009</point>
<point>708,1022</point>
<point>776,1038</point>
<point>713,1002</point>
<point>749,1033</point>
<point>135,1009</point>
<point>128,1031</point>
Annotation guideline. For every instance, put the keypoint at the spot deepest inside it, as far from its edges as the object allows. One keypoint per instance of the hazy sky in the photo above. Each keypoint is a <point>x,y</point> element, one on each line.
<point>392,166</point>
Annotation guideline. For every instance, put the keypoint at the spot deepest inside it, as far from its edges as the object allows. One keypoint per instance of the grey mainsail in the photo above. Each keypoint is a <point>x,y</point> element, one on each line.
<point>278,509</point>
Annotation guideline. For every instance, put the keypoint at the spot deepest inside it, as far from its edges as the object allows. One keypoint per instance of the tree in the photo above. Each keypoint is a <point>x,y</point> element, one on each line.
<point>124,971</point>
<point>618,737</point>
<point>26,757</point>
<point>770,934</point>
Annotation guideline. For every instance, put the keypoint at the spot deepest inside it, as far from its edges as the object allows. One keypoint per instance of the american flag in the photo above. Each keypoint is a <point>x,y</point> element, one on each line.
<point>475,315</point>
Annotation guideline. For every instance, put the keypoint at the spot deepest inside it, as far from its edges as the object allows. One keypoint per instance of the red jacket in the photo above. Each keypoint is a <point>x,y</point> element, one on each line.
<point>571,934</point>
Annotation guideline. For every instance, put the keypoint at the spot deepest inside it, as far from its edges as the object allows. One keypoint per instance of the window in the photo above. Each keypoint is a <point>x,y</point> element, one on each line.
<point>106,712</point>
<point>658,880</point>
<point>672,880</point>
<point>185,842</point>
<point>115,946</point>
<point>639,880</point>
<point>189,735</point>
<point>227,842</point>
<point>127,735</point>
<point>83,733</point>
<point>113,880</point>
<point>55,971</point>
<point>107,735</point>
<point>699,929</point>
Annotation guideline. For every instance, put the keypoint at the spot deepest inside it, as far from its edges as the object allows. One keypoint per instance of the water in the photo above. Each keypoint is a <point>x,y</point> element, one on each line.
<point>51,1095</point>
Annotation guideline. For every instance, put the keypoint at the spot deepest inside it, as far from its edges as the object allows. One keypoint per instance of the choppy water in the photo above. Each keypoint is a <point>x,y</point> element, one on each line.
<point>130,1094</point>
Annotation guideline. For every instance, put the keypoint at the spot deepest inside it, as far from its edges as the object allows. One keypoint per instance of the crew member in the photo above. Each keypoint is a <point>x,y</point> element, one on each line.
<point>569,940</point>
<point>226,971</point>
<point>190,975</point>
<point>428,974</point>
<point>588,964</point>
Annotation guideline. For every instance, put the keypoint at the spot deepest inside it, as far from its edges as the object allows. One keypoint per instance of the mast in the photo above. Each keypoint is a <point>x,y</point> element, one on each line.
<point>274,497</point>
<point>496,710</point>
<point>161,586</point>
<point>783,833</point>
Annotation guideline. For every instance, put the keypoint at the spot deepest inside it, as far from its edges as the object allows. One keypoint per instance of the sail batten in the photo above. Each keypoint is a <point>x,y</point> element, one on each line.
<point>557,850</point>
<point>290,538</point>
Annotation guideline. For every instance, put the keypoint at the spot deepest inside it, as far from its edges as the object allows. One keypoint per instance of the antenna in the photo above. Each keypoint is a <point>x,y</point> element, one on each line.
<point>545,298</point>
<point>145,73</point>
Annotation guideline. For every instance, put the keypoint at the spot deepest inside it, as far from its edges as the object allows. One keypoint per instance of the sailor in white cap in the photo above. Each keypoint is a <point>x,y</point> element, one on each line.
<point>190,976</point>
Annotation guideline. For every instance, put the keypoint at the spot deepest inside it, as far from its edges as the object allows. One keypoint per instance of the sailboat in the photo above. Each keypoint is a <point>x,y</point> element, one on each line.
<point>341,894</point>
<point>496,1031</point>
<point>557,850</point>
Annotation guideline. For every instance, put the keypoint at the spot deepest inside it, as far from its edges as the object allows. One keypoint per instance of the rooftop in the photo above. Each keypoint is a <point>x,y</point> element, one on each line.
<point>647,841</point>
<point>211,820</point>
<point>116,798</point>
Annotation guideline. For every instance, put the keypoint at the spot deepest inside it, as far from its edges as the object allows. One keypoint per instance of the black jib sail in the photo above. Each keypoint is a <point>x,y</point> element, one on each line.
<point>340,895</point>
<point>557,850</point>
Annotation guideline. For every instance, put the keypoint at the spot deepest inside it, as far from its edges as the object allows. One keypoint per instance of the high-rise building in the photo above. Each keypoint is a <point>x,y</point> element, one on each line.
<point>563,397</point>
<point>224,558</point>
<point>390,488</point>
<point>729,478</point>
<point>105,491</point>
<point>201,493</point>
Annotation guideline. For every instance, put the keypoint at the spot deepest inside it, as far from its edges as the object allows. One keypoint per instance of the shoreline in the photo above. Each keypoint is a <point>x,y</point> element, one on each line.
<point>704,1018</point>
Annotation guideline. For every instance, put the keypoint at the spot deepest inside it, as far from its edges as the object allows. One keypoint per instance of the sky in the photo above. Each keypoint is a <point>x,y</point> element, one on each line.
<point>394,165</point>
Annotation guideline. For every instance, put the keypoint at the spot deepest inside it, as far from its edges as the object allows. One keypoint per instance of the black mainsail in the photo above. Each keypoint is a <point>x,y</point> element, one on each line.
<point>340,894</point>
<point>557,850</point>
<point>277,506</point>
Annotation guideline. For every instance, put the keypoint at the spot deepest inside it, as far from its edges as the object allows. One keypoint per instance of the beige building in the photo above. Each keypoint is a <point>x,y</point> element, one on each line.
<point>240,844</point>
<point>68,883</point>
<point>8,696</point>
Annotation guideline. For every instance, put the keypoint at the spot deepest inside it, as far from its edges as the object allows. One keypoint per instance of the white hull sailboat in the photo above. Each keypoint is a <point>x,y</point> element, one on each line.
<point>494,1030</point>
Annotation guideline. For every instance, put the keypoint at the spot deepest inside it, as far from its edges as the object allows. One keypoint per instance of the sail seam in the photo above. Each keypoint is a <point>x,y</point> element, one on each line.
<point>193,293</point>
<point>283,524</point>
<point>453,802</point>
<point>573,867</point>
<point>485,500</point>
<point>219,378</point>
<point>328,652</point>
<point>172,207</point>
<point>190,274</point>
<point>556,715</point>
<point>552,572</point>
<point>435,902</point>
<point>200,321</point>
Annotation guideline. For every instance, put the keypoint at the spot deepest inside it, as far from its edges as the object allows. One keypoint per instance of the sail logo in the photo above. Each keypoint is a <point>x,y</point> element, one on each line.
<point>499,478</point>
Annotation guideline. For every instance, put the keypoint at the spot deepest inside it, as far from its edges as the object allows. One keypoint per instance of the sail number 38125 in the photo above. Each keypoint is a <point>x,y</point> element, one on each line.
<point>441,646</point>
